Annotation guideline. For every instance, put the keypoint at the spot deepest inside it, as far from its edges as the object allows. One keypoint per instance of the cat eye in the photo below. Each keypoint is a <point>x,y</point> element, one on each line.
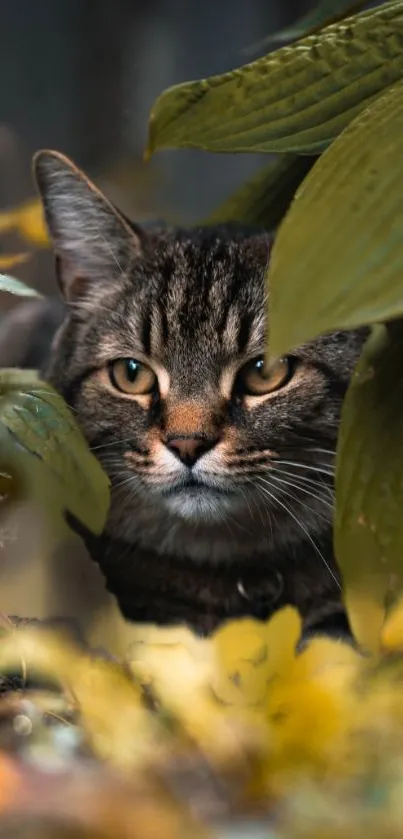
<point>255,380</point>
<point>132,377</point>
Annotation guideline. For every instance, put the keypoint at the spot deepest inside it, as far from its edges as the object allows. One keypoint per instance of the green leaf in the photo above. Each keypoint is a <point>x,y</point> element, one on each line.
<point>13,286</point>
<point>46,455</point>
<point>264,199</point>
<point>338,258</point>
<point>297,99</point>
<point>369,484</point>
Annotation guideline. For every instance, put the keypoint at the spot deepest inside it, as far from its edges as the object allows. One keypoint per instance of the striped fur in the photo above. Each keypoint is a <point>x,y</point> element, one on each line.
<point>192,304</point>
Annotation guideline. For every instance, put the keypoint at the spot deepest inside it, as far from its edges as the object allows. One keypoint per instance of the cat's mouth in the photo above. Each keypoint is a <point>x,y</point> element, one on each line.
<point>194,486</point>
<point>194,499</point>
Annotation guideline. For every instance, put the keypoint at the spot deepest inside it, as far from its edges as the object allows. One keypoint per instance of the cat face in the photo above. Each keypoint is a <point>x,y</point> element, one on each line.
<point>161,358</point>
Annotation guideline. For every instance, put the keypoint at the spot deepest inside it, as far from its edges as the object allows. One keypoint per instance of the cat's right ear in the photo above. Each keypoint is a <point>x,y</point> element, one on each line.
<point>93,243</point>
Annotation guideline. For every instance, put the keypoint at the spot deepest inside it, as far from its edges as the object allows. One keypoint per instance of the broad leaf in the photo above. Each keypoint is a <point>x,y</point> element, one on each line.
<point>369,485</point>
<point>14,286</point>
<point>297,99</point>
<point>45,453</point>
<point>265,198</point>
<point>338,258</point>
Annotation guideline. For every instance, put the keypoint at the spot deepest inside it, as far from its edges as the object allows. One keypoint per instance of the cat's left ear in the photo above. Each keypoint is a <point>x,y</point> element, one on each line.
<point>93,243</point>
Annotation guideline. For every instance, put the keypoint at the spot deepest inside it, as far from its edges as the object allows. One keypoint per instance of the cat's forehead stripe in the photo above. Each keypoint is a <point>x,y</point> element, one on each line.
<point>156,332</point>
<point>257,334</point>
<point>188,301</point>
<point>231,329</point>
<point>228,328</point>
<point>146,326</point>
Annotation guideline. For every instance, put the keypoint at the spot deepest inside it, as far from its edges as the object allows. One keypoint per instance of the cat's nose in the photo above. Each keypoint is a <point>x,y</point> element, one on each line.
<point>189,447</point>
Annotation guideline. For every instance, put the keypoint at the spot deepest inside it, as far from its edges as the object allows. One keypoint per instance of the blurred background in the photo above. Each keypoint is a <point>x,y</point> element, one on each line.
<point>81,76</point>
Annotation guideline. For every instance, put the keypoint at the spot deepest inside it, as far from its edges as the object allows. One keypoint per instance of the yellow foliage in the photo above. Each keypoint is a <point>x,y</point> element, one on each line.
<point>248,691</point>
<point>179,669</point>
<point>323,712</point>
<point>9,260</point>
<point>310,710</point>
<point>250,655</point>
<point>269,721</point>
<point>232,669</point>
<point>115,721</point>
<point>28,221</point>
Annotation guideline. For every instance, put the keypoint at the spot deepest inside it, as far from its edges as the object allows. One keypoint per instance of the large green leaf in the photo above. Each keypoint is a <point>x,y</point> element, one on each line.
<point>14,286</point>
<point>45,454</point>
<point>264,199</point>
<point>369,484</point>
<point>338,258</point>
<point>297,99</point>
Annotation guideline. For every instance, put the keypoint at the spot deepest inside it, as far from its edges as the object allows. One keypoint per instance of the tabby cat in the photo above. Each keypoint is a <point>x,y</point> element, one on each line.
<point>221,473</point>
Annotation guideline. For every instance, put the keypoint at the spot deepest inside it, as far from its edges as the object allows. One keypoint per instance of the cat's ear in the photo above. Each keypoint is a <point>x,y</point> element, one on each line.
<point>93,243</point>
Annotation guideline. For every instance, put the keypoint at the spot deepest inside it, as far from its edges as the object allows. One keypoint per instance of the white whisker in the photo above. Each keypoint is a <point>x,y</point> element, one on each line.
<point>312,482</point>
<point>324,451</point>
<point>302,489</point>
<point>319,469</point>
<point>304,530</point>
<point>296,500</point>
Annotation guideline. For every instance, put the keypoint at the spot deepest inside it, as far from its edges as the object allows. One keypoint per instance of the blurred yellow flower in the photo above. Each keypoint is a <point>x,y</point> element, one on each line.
<point>249,654</point>
<point>28,221</point>
<point>253,706</point>
<point>249,680</point>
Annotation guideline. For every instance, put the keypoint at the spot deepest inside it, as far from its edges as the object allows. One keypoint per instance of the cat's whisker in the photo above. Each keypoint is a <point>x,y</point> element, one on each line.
<point>110,458</point>
<point>317,497</point>
<point>250,457</point>
<point>315,483</point>
<point>111,461</point>
<point>309,480</point>
<point>247,502</point>
<point>324,451</point>
<point>313,487</point>
<point>262,511</point>
<point>117,442</point>
<point>304,530</point>
<point>330,422</point>
<point>297,500</point>
<point>123,482</point>
<point>320,485</point>
<point>318,469</point>
<point>159,481</point>
<point>308,444</point>
<point>253,499</point>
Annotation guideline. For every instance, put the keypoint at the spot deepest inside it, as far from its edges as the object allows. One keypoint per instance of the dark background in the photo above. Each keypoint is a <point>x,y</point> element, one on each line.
<point>81,76</point>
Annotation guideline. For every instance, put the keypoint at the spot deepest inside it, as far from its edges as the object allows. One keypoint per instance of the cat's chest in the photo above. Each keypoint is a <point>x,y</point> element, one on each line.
<point>154,529</point>
<point>164,589</point>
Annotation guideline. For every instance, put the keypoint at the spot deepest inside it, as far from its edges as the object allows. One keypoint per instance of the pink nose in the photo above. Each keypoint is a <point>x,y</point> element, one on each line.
<point>188,448</point>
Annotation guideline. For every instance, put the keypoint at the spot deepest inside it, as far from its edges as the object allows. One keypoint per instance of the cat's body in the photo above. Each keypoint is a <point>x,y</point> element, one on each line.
<point>221,478</point>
